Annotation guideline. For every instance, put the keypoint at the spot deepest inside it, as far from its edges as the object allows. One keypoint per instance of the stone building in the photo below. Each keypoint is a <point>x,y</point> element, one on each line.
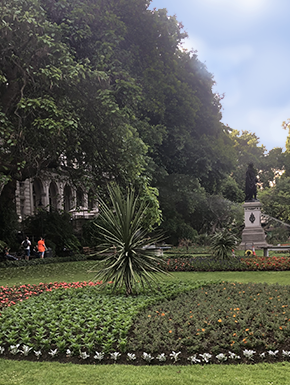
<point>52,192</point>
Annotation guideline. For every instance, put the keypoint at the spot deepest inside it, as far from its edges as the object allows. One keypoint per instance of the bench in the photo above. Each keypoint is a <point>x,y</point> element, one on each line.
<point>270,247</point>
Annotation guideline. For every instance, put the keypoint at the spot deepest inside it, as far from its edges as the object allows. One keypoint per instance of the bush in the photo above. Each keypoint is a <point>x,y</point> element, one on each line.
<point>222,243</point>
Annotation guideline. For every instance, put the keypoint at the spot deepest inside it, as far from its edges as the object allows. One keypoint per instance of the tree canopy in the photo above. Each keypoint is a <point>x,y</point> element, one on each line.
<point>104,91</point>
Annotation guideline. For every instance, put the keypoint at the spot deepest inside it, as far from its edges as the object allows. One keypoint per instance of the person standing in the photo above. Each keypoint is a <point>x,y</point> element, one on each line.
<point>26,244</point>
<point>41,247</point>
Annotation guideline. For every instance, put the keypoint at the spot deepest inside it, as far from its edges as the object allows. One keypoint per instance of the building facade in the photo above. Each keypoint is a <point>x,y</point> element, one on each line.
<point>52,192</point>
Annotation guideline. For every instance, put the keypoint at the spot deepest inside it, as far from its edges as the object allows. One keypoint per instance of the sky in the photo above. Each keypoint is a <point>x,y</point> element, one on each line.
<point>245,45</point>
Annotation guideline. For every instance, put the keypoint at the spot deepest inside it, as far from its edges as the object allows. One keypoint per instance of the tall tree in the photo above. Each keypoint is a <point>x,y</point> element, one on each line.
<point>104,90</point>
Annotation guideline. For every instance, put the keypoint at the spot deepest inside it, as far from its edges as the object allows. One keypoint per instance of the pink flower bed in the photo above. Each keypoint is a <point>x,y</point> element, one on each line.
<point>10,295</point>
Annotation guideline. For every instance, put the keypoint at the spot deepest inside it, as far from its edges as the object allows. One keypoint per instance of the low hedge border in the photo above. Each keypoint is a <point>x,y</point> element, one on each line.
<point>44,261</point>
<point>180,264</point>
<point>274,263</point>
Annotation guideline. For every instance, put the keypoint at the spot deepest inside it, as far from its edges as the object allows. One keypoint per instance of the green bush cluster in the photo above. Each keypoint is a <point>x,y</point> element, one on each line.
<point>216,318</point>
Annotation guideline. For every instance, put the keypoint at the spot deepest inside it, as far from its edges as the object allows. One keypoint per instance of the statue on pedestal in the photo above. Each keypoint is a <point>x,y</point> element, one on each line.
<point>251,184</point>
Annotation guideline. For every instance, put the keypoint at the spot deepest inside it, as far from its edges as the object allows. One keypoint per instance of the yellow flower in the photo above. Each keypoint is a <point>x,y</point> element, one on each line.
<point>220,320</point>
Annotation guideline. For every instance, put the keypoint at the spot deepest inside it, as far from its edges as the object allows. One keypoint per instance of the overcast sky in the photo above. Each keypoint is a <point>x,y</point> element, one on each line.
<point>245,44</point>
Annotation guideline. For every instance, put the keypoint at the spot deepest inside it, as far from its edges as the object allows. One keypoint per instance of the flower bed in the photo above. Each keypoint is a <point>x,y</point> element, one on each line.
<point>267,263</point>
<point>231,264</point>
<point>10,295</point>
<point>186,323</point>
<point>249,321</point>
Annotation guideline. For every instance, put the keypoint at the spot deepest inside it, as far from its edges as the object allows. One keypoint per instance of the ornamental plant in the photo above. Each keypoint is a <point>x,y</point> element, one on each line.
<point>126,260</point>
<point>222,243</point>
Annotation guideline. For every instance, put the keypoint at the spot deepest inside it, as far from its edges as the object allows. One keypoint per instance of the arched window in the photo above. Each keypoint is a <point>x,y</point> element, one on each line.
<point>67,198</point>
<point>80,197</point>
<point>53,196</point>
<point>37,191</point>
<point>91,200</point>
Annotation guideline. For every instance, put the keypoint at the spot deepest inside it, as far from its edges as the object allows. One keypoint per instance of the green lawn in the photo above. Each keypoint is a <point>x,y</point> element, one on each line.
<point>39,373</point>
<point>79,271</point>
<point>24,372</point>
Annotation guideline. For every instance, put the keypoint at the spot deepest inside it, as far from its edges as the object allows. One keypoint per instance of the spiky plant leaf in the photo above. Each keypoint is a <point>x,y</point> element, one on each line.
<point>125,260</point>
<point>222,243</point>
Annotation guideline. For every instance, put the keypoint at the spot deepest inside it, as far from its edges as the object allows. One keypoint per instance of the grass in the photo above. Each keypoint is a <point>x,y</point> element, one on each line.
<point>79,271</point>
<point>51,373</point>
<point>46,373</point>
<point>58,272</point>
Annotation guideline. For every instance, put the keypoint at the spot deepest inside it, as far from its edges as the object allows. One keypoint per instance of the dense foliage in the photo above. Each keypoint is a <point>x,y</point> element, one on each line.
<point>232,264</point>
<point>230,316</point>
<point>76,322</point>
<point>103,90</point>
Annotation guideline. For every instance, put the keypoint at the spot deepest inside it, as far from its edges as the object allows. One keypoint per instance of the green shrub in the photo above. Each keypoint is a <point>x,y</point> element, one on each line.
<point>222,243</point>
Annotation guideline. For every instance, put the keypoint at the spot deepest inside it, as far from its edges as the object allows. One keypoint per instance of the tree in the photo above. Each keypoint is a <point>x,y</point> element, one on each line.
<point>57,109</point>
<point>276,200</point>
<point>126,259</point>
<point>104,91</point>
<point>246,145</point>
<point>248,150</point>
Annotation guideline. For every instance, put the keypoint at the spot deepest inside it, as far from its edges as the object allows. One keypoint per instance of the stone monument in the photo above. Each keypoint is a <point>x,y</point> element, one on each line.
<point>253,234</point>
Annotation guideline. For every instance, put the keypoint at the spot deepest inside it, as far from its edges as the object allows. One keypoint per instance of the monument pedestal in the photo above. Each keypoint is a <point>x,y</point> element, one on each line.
<point>253,234</point>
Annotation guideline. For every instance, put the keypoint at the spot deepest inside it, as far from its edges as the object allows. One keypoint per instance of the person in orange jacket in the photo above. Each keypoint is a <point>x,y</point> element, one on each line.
<point>41,247</point>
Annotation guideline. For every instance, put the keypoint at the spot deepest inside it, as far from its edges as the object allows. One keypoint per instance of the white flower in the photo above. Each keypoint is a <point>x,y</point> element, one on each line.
<point>271,353</point>
<point>14,349</point>
<point>131,356</point>
<point>205,357</point>
<point>2,350</point>
<point>99,356</point>
<point>147,357</point>
<point>115,355</point>
<point>26,350</point>
<point>68,353</point>
<point>174,356</point>
<point>84,355</point>
<point>263,355</point>
<point>286,353</point>
<point>221,357</point>
<point>249,353</point>
<point>234,356</point>
<point>52,353</point>
<point>37,353</point>
<point>193,359</point>
<point>161,357</point>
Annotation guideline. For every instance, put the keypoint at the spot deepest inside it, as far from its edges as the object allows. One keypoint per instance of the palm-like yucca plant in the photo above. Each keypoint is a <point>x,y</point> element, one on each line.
<point>222,243</point>
<point>125,260</point>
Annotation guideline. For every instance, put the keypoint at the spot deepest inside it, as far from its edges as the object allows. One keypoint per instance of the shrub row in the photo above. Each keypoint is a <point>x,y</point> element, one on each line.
<point>199,263</point>
<point>231,264</point>
<point>44,261</point>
